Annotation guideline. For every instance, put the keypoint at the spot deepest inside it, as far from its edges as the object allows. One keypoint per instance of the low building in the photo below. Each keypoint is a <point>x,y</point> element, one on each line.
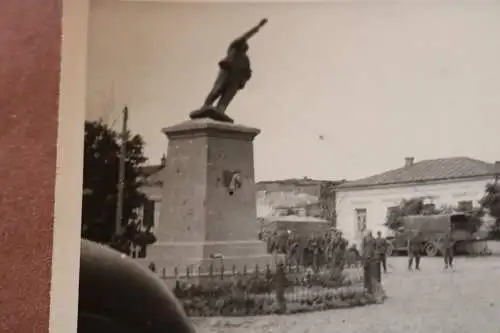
<point>152,185</point>
<point>297,196</point>
<point>364,204</point>
<point>298,225</point>
<point>303,196</point>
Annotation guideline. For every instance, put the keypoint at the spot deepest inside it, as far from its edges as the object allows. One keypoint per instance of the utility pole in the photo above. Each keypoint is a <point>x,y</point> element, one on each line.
<point>497,171</point>
<point>121,172</point>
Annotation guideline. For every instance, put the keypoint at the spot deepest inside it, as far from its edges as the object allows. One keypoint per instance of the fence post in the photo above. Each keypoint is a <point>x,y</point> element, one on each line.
<point>367,275</point>
<point>245,270</point>
<point>280,287</point>
<point>234,269</point>
<point>176,272</point>
<point>187,272</point>
<point>222,272</point>
<point>256,270</point>
<point>164,273</point>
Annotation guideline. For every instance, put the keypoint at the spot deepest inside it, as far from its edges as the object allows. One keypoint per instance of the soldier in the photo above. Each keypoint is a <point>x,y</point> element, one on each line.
<point>381,246</point>
<point>332,244</point>
<point>414,250</point>
<point>292,249</point>
<point>271,242</point>
<point>327,251</point>
<point>340,250</point>
<point>282,242</point>
<point>368,254</point>
<point>447,247</point>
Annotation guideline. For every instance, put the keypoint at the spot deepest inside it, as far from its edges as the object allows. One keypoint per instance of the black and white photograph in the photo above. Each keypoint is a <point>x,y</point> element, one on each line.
<point>299,167</point>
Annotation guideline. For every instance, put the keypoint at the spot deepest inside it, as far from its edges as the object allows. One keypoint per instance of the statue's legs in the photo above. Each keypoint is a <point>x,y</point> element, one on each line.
<point>226,98</point>
<point>217,88</point>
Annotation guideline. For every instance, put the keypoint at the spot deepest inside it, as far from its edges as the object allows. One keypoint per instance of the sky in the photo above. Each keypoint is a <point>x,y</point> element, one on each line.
<point>340,90</point>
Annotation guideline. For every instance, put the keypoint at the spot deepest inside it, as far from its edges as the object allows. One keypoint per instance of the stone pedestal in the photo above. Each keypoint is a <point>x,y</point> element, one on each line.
<point>208,203</point>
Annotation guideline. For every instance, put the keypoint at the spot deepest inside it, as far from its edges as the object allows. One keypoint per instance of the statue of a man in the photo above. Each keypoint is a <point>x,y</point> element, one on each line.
<point>234,71</point>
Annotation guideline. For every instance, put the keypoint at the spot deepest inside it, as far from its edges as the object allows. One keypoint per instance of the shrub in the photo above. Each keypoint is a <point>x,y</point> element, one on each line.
<point>255,294</point>
<point>252,305</point>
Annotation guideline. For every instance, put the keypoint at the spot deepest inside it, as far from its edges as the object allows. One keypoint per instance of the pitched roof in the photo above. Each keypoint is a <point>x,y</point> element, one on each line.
<point>148,170</point>
<point>427,171</point>
<point>152,175</point>
<point>299,181</point>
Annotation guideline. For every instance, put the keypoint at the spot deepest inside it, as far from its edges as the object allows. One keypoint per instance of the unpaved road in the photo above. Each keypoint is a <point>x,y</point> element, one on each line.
<point>464,301</point>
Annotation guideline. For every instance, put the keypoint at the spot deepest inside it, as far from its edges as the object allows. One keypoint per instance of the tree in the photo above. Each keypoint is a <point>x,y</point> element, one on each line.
<point>100,179</point>
<point>491,203</point>
<point>327,202</point>
<point>394,220</point>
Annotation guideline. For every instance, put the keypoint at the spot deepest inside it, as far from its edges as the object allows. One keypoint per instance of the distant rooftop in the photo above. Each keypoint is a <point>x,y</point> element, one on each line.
<point>294,218</point>
<point>148,170</point>
<point>299,181</point>
<point>427,171</point>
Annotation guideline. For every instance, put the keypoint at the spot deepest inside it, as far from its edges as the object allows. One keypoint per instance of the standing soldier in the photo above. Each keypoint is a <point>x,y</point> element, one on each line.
<point>448,246</point>
<point>319,251</point>
<point>294,245</point>
<point>368,254</point>
<point>340,250</point>
<point>282,242</point>
<point>381,246</point>
<point>271,242</point>
<point>327,252</point>
<point>414,250</point>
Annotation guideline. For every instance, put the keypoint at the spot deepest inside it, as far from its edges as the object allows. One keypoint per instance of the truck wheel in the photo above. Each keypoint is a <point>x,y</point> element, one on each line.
<point>431,250</point>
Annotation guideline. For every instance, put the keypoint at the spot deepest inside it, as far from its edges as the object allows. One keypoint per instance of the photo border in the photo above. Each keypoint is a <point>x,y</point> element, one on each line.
<point>68,187</point>
<point>68,191</point>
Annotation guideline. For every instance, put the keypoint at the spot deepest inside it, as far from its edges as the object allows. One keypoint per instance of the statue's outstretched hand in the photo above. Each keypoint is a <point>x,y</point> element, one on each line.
<point>262,22</point>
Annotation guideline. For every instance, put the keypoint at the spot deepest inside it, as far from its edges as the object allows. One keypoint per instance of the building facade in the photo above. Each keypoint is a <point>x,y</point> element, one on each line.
<point>303,197</point>
<point>152,189</point>
<point>364,204</point>
<point>297,196</point>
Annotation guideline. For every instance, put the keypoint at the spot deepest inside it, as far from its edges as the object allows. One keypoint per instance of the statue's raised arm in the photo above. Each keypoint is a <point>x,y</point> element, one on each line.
<point>249,34</point>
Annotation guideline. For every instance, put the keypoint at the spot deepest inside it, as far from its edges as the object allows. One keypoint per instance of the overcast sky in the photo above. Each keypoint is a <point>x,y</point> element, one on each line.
<point>339,90</point>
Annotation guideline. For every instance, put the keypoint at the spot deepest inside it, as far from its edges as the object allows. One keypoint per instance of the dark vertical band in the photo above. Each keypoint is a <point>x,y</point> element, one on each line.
<point>30,54</point>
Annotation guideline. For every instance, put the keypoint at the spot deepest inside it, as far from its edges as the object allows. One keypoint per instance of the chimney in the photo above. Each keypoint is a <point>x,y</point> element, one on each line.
<point>409,161</point>
<point>163,160</point>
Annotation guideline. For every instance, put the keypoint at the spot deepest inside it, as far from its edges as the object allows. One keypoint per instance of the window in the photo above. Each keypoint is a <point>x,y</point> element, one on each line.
<point>361,219</point>
<point>392,211</point>
<point>464,206</point>
<point>428,208</point>
<point>147,216</point>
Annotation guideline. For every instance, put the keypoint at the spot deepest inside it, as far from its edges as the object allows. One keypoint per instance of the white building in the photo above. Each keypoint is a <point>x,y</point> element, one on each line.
<point>363,204</point>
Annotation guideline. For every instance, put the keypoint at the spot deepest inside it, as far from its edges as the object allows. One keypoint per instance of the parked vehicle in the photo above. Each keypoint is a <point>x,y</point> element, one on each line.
<point>433,228</point>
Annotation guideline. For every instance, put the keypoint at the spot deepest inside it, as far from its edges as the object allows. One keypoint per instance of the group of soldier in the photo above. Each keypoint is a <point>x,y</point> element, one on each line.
<point>331,249</point>
<point>376,248</point>
<point>315,251</point>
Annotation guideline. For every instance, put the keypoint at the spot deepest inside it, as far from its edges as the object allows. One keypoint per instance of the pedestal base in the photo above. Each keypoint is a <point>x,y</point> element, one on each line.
<point>204,256</point>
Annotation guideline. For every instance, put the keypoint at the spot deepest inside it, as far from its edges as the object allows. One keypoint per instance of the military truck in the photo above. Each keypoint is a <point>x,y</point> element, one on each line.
<point>433,228</point>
